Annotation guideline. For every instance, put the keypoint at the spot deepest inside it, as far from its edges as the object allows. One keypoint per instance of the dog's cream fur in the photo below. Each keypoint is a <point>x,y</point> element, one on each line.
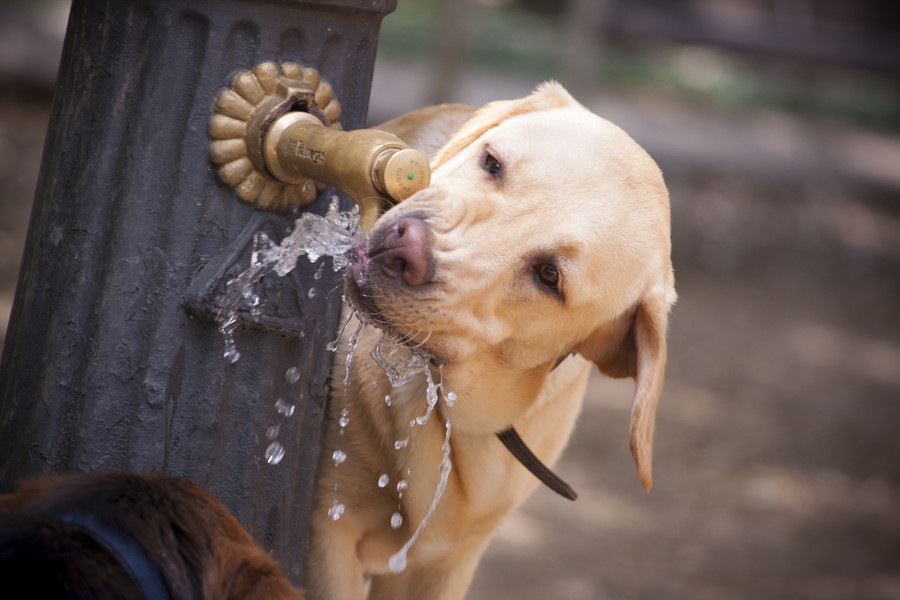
<point>573,190</point>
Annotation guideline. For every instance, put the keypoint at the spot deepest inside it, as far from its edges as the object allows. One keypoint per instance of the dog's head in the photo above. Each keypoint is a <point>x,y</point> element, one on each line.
<point>545,231</point>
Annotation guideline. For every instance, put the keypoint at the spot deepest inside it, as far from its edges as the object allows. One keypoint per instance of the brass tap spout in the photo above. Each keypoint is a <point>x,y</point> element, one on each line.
<point>368,165</point>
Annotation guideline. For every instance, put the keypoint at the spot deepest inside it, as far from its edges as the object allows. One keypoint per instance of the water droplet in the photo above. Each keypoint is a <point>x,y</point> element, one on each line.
<point>231,354</point>
<point>272,432</point>
<point>402,485</point>
<point>251,298</point>
<point>336,511</point>
<point>396,520</point>
<point>383,480</point>
<point>397,562</point>
<point>400,444</point>
<point>311,293</point>
<point>450,398</point>
<point>344,420</point>
<point>292,375</point>
<point>274,453</point>
<point>389,400</point>
<point>285,409</point>
<point>332,346</point>
<point>338,456</point>
<point>318,274</point>
<point>422,420</point>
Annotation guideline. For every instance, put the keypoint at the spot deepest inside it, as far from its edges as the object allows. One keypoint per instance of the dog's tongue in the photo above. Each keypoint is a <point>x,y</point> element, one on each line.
<point>516,445</point>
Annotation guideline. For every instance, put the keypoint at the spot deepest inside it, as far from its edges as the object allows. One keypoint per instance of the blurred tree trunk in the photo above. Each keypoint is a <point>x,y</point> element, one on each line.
<point>583,44</point>
<point>452,21</point>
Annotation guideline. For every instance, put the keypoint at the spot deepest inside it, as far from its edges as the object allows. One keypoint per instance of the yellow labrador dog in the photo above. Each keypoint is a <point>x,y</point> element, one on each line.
<point>541,248</point>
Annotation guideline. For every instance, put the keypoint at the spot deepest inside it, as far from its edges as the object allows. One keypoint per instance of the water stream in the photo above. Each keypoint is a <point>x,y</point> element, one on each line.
<point>335,235</point>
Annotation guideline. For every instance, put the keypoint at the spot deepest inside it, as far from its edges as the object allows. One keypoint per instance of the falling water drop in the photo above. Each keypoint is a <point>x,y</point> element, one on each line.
<point>285,409</point>
<point>292,375</point>
<point>274,453</point>
<point>338,456</point>
<point>396,520</point>
<point>400,444</point>
<point>272,432</point>
<point>389,400</point>
<point>311,293</point>
<point>336,511</point>
<point>231,353</point>
<point>383,480</point>
<point>450,398</point>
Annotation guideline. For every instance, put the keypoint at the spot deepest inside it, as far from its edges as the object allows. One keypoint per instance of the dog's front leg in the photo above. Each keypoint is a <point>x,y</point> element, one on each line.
<point>333,571</point>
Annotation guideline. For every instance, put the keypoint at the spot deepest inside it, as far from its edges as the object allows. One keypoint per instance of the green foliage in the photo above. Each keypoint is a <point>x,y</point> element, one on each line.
<point>504,37</point>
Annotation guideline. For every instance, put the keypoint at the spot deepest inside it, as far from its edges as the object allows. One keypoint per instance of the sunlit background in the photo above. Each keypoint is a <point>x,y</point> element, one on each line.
<point>777,125</point>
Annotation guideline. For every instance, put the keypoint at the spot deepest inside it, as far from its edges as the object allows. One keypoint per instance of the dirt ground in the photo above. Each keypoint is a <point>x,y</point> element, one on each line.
<point>777,471</point>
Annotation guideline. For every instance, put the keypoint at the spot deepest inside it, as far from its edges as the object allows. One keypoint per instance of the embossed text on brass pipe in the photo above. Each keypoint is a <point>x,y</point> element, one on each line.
<point>368,165</point>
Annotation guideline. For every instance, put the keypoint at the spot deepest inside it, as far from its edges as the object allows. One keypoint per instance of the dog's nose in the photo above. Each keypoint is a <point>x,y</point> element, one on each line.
<point>405,252</point>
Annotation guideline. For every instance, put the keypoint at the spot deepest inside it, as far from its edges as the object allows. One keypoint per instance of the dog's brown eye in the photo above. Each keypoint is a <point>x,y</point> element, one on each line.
<point>491,164</point>
<point>547,274</point>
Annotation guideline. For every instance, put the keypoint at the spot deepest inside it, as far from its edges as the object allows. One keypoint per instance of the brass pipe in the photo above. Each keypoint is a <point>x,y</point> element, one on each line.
<point>368,165</point>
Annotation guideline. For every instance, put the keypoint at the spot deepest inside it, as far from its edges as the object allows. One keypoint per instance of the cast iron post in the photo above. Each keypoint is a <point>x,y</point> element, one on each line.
<point>103,367</point>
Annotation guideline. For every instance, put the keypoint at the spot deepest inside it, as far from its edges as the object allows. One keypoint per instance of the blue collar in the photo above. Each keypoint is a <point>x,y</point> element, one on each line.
<point>126,549</point>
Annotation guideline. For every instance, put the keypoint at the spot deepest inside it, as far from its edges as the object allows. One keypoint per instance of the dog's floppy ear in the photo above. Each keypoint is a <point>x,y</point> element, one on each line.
<point>547,96</point>
<point>634,345</point>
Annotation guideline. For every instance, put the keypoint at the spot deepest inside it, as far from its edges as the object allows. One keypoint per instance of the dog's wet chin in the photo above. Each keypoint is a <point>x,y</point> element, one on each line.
<point>356,289</point>
<point>361,291</point>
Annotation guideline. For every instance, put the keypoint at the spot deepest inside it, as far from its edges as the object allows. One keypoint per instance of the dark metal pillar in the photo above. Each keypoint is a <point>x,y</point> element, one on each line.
<point>103,367</point>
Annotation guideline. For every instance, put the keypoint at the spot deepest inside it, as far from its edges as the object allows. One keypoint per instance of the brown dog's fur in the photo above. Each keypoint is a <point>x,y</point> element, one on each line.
<point>571,190</point>
<point>198,546</point>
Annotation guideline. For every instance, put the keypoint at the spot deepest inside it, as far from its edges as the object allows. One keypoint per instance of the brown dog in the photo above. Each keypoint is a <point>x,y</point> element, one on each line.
<point>122,535</point>
<point>541,249</point>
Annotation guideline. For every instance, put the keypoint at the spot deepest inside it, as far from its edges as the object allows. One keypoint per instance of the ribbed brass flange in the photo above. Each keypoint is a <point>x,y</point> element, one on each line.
<point>242,114</point>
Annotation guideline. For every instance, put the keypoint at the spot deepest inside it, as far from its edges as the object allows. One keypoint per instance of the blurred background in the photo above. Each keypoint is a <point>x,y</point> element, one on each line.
<point>777,126</point>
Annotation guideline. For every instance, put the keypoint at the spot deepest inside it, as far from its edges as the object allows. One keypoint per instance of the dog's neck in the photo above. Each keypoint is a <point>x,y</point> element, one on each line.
<point>509,436</point>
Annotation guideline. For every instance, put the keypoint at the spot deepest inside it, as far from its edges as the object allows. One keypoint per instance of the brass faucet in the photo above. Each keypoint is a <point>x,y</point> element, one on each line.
<point>277,139</point>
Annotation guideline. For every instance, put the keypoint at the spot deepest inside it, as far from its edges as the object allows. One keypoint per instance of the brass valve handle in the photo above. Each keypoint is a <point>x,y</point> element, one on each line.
<point>276,136</point>
<point>368,165</point>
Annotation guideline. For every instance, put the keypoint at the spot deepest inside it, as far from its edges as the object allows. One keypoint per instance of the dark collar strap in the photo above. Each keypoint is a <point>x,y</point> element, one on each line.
<point>126,549</point>
<point>514,443</point>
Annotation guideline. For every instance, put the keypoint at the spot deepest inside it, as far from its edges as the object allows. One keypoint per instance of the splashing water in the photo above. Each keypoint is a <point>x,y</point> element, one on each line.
<point>397,562</point>
<point>399,361</point>
<point>334,235</point>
